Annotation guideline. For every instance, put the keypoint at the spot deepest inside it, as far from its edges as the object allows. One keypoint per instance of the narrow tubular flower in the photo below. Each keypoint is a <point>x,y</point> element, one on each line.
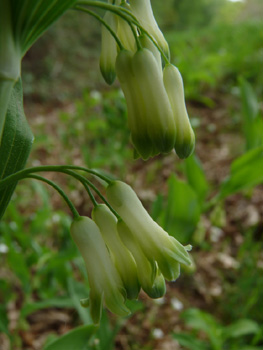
<point>122,258</point>
<point>150,115</point>
<point>151,280</point>
<point>142,9</point>
<point>108,49</point>
<point>154,241</point>
<point>136,109</point>
<point>185,138</point>
<point>104,279</point>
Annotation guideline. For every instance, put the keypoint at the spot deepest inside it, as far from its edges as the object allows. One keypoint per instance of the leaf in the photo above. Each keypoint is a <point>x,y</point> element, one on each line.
<point>190,342</point>
<point>182,212</point>
<point>3,320</point>
<point>245,172</point>
<point>252,119</point>
<point>31,18</point>
<point>196,177</point>
<point>78,291</point>
<point>32,307</point>
<point>16,143</point>
<point>241,328</point>
<point>202,321</point>
<point>77,339</point>
<point>106,333</point>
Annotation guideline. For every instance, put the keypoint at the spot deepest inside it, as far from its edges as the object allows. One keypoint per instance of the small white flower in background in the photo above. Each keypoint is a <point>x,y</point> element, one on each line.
<point>3,248</point>
<point>158,333</point>
<point>177,304</point>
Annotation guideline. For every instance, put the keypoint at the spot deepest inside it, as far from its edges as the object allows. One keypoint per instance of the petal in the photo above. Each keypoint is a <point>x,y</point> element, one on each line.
<point>146,268</point>
<point>123,259</point>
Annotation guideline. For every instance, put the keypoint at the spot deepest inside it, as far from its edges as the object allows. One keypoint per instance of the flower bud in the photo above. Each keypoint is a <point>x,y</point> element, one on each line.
<point>121,256</point>
<point>104,279</point>
<point>154,241</point>
<point>142,9</point>
<point>108,49</point>
<point>185,138</point>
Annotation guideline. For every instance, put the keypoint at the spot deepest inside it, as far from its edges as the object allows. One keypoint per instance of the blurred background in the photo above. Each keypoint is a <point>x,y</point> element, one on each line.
<point>213,200</point>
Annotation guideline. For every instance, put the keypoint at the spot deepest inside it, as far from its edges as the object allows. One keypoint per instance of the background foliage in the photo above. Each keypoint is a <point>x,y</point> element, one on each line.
<point>213,200</point>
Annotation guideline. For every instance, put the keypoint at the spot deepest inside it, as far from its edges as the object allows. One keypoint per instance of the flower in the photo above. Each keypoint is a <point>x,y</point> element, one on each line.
<point>121,256</point>
<point>104,279</point>
<point>150,278</point>
<point>108,49</point>
<point>185,138</point>
<point>150,115</point>
<point>142,9</point>
<point>154,242</point>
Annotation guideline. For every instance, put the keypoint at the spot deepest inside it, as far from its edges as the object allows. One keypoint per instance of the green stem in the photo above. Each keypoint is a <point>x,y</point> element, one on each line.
<point>9,59</point>
<point>59,190</point>
<point>127,16</point>
<point>83,180</point>
<point>103,22</point>
<point>56,168</point>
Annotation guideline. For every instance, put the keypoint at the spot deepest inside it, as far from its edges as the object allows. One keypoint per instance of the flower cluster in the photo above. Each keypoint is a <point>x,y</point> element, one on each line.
<point>126,254</point>
<point>152,86</point>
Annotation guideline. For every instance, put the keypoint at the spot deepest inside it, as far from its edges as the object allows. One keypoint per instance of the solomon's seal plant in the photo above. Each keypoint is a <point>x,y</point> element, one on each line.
<point>124,250</point>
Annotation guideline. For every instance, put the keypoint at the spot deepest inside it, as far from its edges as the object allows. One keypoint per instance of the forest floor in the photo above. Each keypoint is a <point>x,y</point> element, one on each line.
<point>217,144</point>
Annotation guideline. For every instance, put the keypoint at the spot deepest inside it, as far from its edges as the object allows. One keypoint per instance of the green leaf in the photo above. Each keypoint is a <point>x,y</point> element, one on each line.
<point>78,291</point>
<point>29,308</point>
<point>252,118</point>
<point>190,341</point>
<point>202,321</point>
<point>245,172</point>
<point>182,212</point>
<point>16,143</point>
<point>241,328</point>
<point>196,177</point>
<point>31,18</point>
<point>77,339</point>
<point>3,320</point>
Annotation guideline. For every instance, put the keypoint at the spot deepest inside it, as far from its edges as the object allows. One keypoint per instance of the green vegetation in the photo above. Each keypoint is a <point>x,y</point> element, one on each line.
<point>212,200</point>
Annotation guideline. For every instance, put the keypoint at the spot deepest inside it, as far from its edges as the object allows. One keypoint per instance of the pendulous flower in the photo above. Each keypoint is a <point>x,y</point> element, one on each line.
<point>150,115</point>
<point>151,280</point>
<point>185,138</point>
<point>121,256</point>
<point>155,243</point>
<point>105,282</point>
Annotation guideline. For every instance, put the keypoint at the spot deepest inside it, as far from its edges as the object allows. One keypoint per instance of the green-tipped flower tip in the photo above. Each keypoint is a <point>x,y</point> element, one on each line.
<point>105,282</point>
